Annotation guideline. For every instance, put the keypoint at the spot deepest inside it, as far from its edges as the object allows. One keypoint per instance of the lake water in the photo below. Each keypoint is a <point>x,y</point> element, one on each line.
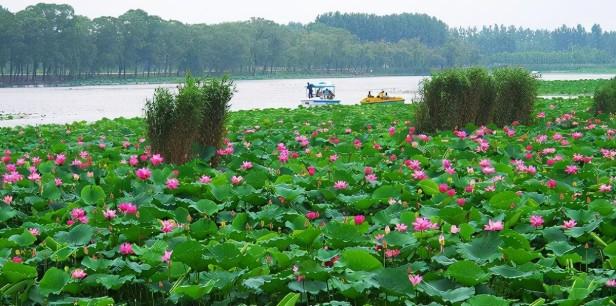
<point>43,105</point>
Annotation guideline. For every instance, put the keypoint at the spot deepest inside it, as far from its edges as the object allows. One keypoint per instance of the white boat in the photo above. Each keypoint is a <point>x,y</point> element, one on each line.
<point>320,93</point>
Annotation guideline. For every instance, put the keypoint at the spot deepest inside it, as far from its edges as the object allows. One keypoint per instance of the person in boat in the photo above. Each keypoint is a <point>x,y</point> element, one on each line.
<point>310,87</point>
<point>319,93</point>
<point>370,94</point>
<point>328,94</point>
<point>381,94</point>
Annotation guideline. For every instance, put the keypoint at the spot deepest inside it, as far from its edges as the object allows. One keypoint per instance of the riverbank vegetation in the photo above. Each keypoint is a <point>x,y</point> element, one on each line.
<point>51,44</point>
<point>342,205</point>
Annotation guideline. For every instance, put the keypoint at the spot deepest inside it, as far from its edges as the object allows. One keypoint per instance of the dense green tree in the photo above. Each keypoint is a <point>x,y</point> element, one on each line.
<point>49,42</point>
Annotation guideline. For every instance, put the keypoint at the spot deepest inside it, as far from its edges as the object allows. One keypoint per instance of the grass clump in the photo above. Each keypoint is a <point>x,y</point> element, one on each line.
<point>195,114</point>
<point>605,98</point>
<point>454,98</point>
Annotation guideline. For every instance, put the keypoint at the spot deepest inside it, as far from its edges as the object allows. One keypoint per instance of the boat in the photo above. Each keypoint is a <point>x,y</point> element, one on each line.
<point>536,74</point>
<point>320,93</point>
<point>381,99</point>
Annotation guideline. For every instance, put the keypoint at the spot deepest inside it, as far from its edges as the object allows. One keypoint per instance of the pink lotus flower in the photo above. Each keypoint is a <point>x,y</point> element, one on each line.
<point>536,221</point>
<point>571,169</point>
<point>311,215</point>
<point>488,170</point>
<point>454,229</point>
<point>333,158</point>
<point>392,253</point>
<point>371,178</point>
<point>423,224</point>
<point>419,175</point>
<point>166,258</point>
<point>17,259</point>
<point>415,279</point>
<point>442,188</point>
<point>246,165</point>
<point>156,159</point>
<point>34,231</point>
<point>569,224</point>
<point>167,226</point>
<point>8,199</point>
<point>401,227</point>
<point>78,274</point>
<point>493,226</point>
<point>485,163</point>
<point>311,170</point>
<point>392,131</point>
<point>551,184</point>
<point>205,179</point>
<point>60,159</point>
<point>460,202</point>
<point>133,160</point>
<point>35,177</point>
<point>611,283</point>
<point>359,219</point>
<point>340,185</point>
<point>577,135</point>
<point>143,173</point>
<point>77,213</point>
<point>126,248</point>
<point>109,214</point>
<point>172,183</point>
<point>84,154</point>
<point>605,188</point>
<point>236,180</point>
<point>413,164</point>
<point>127,208</point>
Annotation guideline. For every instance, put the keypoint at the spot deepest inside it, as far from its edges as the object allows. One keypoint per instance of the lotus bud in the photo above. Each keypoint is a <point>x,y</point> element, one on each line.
<point>387,230</point>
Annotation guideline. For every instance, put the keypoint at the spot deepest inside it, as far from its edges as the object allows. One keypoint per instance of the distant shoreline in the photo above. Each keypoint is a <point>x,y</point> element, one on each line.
<point>144,80</point>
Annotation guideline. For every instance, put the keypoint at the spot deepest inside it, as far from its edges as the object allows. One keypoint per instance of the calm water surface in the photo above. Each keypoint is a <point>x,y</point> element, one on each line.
<point>90,103</point>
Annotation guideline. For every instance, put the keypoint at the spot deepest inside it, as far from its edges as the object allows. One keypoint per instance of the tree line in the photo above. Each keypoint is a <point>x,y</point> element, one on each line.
<point>50,42</point>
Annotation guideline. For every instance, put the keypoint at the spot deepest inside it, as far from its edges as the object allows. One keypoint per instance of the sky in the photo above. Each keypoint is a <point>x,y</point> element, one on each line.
<point>535,14</point>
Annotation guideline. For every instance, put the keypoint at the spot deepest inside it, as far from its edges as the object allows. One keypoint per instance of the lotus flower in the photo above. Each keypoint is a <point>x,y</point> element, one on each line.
<point>60,159</point>
<point>536,221</point>
<point>415,279</point>
<point>127,208</point>
<point>571,169</point>
<point>311,170</point>
<point>605,188</point>
<point>8,199</point>
<point>172,183</point>
<point>493,226</point>
<point>311,215</point>
<point>422,224</point>
<point>109,214</point>
<point>359,219</point>
<point>156,159</point>
<point>166,258</point>
<point>236,180</point>
<point>340,185</point>
<point>205,179</point>
<point>126,248</point>
<point>167,226</point>
<point>569,224</point>
<point>143,173</point>
<point>78,274</point>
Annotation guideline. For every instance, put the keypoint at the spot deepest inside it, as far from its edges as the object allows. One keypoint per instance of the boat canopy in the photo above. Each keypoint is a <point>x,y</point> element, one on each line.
<point>323,85</point>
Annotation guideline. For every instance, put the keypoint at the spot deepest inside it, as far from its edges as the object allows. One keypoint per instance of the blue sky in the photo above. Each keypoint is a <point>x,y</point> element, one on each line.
<point>528,13</point>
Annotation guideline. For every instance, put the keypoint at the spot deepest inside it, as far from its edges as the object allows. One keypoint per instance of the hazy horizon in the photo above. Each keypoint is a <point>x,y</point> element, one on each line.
<point>541,14</point>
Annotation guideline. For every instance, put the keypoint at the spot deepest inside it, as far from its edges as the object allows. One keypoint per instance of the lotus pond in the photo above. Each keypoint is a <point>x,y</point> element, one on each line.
<point>346,205</point>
